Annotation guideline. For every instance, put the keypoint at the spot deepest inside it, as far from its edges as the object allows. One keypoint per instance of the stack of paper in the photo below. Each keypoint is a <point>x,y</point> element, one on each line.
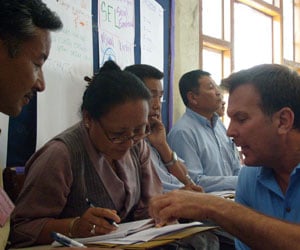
<point>136,231</point>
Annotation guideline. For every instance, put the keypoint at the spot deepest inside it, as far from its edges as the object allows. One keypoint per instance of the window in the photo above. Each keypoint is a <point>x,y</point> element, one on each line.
<point>212,18</point>
<point>213,63</point>
<point>249,32</point>
<point>252,37</point>
<point>288,30</point>
<point>237,34</point>
<point>291,37</point>
<point>216,36</point>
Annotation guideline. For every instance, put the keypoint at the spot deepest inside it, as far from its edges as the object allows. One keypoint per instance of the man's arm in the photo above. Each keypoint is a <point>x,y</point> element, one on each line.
<point>256,230</point>
<point>158,140</point>
<point>186,146</point>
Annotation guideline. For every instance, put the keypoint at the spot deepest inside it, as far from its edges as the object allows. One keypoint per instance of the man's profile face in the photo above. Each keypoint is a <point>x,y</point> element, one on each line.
<point>155,87</point>
<point>250,128</point>
<point>21,76</point>
<point>207,99</point>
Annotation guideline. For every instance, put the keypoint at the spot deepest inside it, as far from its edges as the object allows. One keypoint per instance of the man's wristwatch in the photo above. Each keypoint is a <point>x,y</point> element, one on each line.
<point>173,161</point>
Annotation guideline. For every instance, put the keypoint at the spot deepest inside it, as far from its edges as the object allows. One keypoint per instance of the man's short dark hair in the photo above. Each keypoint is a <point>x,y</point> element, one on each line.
<point>277,85</point>
<point>145,71</point>
<point>20,18</point>
<point>190,82</point>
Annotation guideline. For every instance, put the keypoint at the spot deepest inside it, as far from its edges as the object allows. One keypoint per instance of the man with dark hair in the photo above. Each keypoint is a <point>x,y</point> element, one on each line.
<point>172,172</point>
<point>24,47</point>
<point>265,122</point>
<point>199,136</point>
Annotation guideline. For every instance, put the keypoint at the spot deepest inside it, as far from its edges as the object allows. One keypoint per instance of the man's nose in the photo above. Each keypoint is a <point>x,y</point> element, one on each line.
<point>156,103</point>
<point>40,82</point>
<point>230,130</point>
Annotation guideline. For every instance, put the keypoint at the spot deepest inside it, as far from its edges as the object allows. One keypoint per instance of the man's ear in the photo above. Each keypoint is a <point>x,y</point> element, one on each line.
<point>285,118</point>
<point>191,98</point>
<point>87,119</point>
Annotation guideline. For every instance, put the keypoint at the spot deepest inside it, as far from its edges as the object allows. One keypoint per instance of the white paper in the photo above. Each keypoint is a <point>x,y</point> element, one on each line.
<point>150,233</point>
<point>152,42</point>
<point>123,230</point>
<point>71,58</point>
<point>116,31</point>
<point>136,231</point>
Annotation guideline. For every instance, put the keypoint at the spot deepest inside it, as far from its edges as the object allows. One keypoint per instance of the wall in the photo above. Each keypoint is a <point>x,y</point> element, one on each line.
<point>21,142</point>
<point>187,47</point>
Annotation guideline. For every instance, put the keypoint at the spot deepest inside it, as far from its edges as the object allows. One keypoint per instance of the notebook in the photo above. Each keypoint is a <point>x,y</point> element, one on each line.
<point>136,231</point>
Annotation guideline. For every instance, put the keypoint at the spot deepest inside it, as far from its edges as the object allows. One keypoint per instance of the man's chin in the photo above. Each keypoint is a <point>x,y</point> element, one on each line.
<point>153,116</point>
<point>14,111</point>
<point>250,162</point>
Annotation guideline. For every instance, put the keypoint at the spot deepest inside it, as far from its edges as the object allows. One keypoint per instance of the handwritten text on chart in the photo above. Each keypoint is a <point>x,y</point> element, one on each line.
<point>116,15</point>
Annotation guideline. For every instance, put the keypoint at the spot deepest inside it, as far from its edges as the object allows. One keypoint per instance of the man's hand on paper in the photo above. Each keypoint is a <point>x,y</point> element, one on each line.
<point>159,223</point>
<point>172,205</point>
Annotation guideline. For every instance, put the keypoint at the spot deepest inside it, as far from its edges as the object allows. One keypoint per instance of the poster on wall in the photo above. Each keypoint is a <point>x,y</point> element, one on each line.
<point>152,42</point>
<point>71,58</point>
<point>116,31</point>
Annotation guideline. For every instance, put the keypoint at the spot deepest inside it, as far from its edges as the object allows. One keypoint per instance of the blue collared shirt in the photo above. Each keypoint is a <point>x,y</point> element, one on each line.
<point>258,189</point>
<point>209,154</point>
<point>169,181</point>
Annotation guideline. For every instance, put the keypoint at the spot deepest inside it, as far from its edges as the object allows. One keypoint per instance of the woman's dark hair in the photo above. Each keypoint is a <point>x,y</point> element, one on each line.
<point>111,87</point>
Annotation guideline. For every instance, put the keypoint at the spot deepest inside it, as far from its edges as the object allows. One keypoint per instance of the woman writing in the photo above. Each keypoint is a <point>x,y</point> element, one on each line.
<point>102,158</point>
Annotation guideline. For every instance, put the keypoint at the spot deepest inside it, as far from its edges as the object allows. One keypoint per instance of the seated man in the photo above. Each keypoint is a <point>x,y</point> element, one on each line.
<point>171,170</point>
<point>221,110</point>
<point>199,136</point>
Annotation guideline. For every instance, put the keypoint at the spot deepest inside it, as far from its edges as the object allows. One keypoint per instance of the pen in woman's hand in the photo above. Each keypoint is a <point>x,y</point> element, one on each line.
<point>110,221</point>
<point>89,202</point>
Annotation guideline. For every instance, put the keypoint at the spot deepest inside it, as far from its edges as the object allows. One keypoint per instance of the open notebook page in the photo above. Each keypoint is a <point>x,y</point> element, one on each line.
<point>149,234</point>
<point>123,230</point>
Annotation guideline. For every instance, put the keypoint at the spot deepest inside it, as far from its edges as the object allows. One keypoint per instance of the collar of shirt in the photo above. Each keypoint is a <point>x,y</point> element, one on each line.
<point>266,177</point>
<point>203,120</point>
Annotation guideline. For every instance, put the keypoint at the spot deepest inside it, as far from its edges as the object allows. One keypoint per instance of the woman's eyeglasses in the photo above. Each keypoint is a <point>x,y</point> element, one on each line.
<point>125,138</point>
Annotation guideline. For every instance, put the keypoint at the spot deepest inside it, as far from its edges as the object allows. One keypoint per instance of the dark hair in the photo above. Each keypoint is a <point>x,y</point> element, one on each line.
<point>277,85</point>
<point>111,87</point>
<point>145,71</point>
<point>190,82</point>
<point>20,18</point>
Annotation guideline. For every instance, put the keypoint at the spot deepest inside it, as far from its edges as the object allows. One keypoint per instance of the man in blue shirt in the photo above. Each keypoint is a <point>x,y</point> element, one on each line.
<point>170,169</point>
<point>265,122</point>
<point>199,137</point>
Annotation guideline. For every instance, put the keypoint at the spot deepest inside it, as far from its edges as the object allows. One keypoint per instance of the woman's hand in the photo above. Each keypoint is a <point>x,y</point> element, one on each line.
<point>94,222</point>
